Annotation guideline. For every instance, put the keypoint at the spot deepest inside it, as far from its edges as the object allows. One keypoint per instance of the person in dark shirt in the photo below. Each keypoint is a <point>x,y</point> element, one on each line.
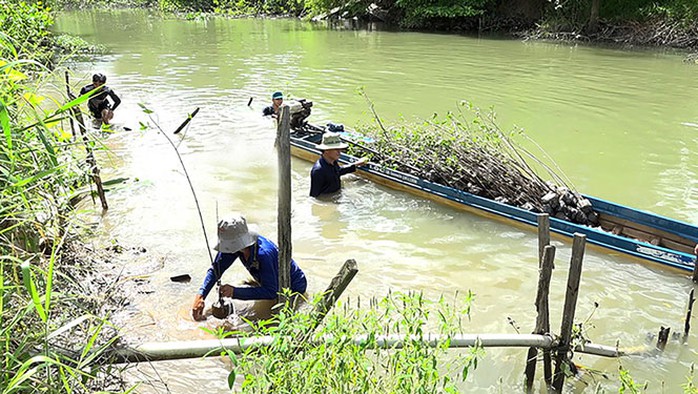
<point>325,174</point>
<point>276,100</point>
<point>99,105</point>
<point>259,256</point>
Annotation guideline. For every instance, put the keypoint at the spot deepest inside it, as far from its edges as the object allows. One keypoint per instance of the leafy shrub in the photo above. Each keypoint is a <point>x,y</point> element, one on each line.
<point>26,25</point>
<point>343,356</point>
<point>420,13</point>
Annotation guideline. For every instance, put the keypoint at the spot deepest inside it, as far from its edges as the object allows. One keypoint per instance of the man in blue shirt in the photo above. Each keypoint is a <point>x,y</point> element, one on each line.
<point>324,176</point>
<point>259,256</point>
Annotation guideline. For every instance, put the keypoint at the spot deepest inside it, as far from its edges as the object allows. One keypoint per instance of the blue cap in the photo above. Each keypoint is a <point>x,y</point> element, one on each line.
<point>277,95</point>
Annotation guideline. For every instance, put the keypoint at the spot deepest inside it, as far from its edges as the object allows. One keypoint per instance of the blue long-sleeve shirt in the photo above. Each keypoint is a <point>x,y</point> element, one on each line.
<point>263,265</point>
<point>324,177</point>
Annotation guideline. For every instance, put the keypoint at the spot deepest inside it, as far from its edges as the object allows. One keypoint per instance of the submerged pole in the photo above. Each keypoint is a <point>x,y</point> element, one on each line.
<point>283,147</point>
<point>157,351</point>
<point>542,319</point>
<point>573,279</point>
<point>687,325</point>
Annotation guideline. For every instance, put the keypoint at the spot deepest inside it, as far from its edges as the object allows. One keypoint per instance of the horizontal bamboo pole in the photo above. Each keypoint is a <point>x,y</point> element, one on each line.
<point>157,351</point>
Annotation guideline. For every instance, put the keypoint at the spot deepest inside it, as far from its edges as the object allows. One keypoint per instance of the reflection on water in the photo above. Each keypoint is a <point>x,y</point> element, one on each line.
<point>614,121</point>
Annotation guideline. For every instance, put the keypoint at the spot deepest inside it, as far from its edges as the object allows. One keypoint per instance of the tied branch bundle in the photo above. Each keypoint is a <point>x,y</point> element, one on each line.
<point>474,155</point>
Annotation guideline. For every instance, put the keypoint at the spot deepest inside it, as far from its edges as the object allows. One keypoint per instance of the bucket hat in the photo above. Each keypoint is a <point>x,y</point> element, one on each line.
<point>234,235</point>
<point>332,141</point>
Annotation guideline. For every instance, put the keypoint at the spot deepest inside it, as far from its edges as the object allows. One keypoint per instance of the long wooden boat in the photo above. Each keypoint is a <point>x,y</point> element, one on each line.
<point>633,232</point>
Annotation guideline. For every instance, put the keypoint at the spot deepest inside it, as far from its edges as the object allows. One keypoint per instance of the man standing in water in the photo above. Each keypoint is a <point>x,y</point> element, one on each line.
<point>259,256</point>
<point>99,104</point>
<point>277,98</point>
<point>325,174</point>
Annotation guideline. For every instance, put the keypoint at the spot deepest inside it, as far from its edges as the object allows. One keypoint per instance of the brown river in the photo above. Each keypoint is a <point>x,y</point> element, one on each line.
<point>621,124</point>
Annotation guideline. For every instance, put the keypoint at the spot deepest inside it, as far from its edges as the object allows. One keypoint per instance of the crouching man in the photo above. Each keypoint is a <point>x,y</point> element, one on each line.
<point>260,257</point>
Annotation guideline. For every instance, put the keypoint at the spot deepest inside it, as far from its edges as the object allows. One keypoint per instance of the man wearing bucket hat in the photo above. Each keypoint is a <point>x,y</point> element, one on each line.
<point>324,176</point>
<point>277,98</point>
<point>260,257</point>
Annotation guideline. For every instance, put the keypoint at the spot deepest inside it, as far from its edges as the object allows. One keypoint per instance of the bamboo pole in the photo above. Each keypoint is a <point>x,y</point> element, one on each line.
<point>542,320</point>
<point>687,325</point>
<point>90,158</point>
<point>157,351</point>
<point>573,279</point>
<point>543,235</point>
<point>283,147</point>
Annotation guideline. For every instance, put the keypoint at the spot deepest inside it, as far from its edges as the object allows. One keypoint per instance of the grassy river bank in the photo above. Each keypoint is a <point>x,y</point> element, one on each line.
<point>58,293</point>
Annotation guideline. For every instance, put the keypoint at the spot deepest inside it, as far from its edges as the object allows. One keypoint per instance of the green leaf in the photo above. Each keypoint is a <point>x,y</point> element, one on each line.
<point>145,109</point>
<point>5,123</point>
<point>231,379</point>
<point>31,288</point>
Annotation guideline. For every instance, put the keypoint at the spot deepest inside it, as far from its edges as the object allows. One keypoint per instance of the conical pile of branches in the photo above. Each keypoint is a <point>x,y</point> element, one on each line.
<point>466,150</point>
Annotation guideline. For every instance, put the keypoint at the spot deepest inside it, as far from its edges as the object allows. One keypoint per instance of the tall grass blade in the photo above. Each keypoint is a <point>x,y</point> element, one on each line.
<point>31,288</point>
<point>5,123</point>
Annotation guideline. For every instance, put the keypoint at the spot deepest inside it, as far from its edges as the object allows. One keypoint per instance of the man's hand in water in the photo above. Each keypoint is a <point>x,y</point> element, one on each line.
<point>197,309</point>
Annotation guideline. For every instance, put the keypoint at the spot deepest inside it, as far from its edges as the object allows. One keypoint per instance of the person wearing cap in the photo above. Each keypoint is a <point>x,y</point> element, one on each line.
<point>326,172</point>
<point>260,257</point>
<point>277,98</point>
<point>99,104</point>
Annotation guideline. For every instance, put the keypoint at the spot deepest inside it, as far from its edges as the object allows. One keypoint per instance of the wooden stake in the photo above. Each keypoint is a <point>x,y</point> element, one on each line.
<point>337,286</point>
<point>542,320</point>
<point>283,148</point>
<point>687,325</point>
<point>573,279</point>
<point>543,235</point>
<point>663,337</point>
<point>90,158</point>
<point>695,270</point>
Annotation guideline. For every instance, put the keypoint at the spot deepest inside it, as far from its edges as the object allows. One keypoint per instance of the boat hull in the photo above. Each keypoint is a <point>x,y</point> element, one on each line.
<point>631,221</point>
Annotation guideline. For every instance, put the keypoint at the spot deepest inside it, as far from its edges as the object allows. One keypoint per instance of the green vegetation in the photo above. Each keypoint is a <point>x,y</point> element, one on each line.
<point>49,329</point>
<point>647,22</point>
<point>26,26</point>
<point>329,361</point>
<point>423,13</point>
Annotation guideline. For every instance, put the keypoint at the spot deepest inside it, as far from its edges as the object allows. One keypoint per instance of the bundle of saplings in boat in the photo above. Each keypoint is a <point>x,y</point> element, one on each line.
<point>466,150</point>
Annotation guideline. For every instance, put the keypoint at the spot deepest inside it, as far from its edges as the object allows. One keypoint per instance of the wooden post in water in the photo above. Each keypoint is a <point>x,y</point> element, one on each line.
<point>337,286</point>
<point>70,97</point>
<point>543,235</point>
<point>90,157</point>
<point>283,148</point>
<point>695,271</point>
<point>573,279</point>
<point>687,325</point>
<point>663,337</point>
<point>542,320</point>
